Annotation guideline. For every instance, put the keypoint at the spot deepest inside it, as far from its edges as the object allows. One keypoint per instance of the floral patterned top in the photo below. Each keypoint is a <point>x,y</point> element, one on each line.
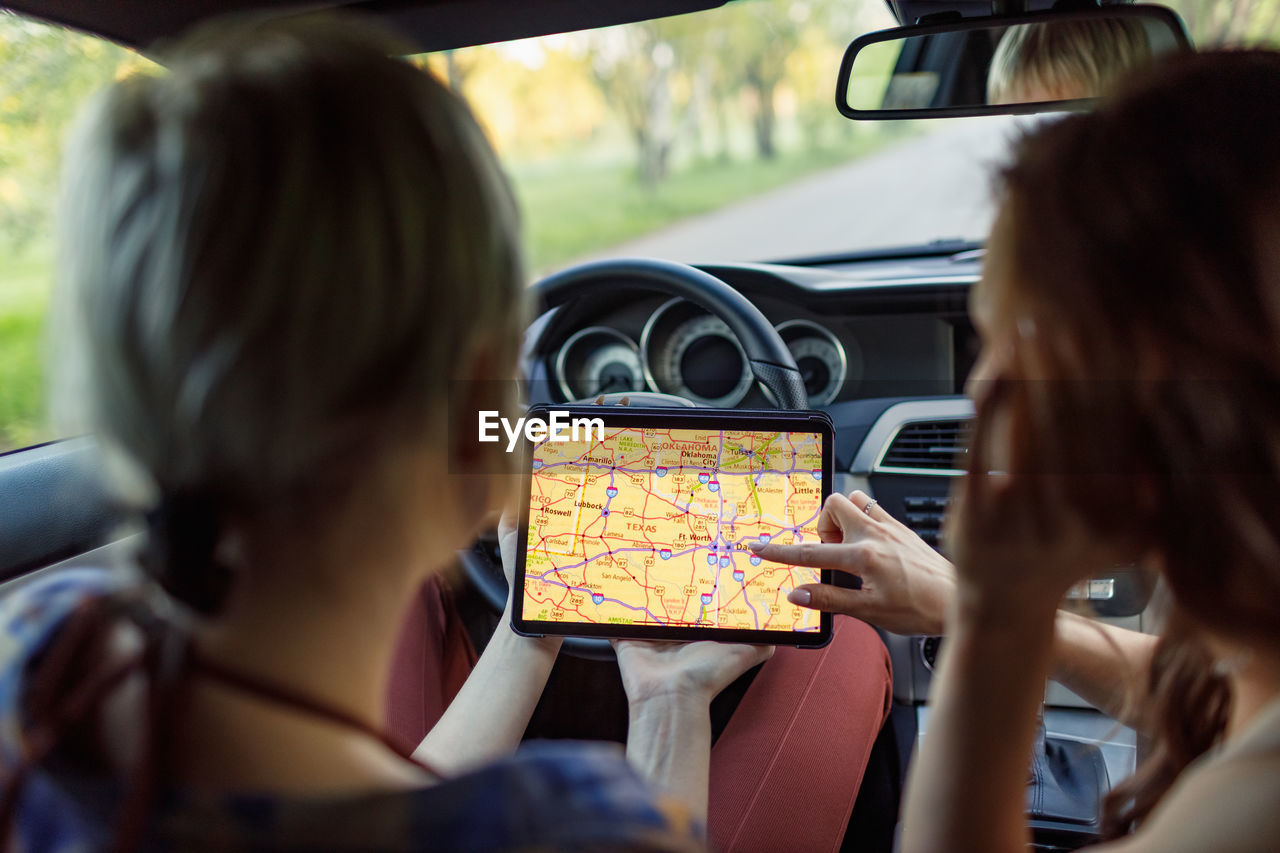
<point>548,796</point>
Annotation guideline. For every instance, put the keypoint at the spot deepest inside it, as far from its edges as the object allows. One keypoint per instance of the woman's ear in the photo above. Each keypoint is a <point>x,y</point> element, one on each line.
<point>482,455</point>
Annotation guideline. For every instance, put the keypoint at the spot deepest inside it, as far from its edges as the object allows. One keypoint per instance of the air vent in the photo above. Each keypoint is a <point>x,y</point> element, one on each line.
<point>928,446</point>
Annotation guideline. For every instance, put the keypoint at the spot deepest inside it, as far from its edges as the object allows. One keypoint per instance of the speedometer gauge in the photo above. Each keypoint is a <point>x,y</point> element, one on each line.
<point>820,358</point>
<point>612,368</point>
<point>705,363</point>
<point>598,360</point>
<point>689,353</point>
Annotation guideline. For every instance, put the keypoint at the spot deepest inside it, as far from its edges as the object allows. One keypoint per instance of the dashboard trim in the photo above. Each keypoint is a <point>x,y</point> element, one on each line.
<point>890,423</point>
<point>853,285</point>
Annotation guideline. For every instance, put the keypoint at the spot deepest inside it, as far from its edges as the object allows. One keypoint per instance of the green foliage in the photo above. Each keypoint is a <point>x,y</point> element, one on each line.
<point>678,82</point>
<point>45,75</point>
<point>1215,23</point>
<point>696,104</point>
<point>23,302</point>
<point>554,197</point>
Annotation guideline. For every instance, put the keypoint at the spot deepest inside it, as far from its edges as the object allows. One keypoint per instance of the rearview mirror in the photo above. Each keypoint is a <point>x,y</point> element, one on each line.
<point>1001,65</point>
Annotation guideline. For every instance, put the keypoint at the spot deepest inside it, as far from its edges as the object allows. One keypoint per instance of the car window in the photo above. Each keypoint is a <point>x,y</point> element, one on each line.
<point>1229,23</point>
<point>704,137</point>
<point>46,73</point>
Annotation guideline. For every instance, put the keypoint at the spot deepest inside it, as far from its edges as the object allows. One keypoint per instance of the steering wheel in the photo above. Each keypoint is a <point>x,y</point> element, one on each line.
<point>770,361</point>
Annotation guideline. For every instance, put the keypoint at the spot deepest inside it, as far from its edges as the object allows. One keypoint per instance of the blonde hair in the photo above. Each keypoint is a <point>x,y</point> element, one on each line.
<point>276,256</point>
<point>1065,59</point>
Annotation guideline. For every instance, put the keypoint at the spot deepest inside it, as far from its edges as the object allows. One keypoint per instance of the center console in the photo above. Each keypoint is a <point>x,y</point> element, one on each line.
<point>908,460</point>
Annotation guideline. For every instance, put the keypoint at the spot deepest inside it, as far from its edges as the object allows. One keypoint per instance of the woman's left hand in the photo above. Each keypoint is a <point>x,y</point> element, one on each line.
<point>507,545</point>
<point>694,671</point>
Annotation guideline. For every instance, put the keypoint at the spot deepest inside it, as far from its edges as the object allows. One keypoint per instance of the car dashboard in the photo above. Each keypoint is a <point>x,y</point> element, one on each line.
<point>884,347</point>
<point>902,331</point>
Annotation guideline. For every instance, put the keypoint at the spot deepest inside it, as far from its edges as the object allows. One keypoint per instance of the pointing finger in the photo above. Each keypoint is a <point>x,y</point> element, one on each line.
<point>815,555</point>
<point>832,599</point>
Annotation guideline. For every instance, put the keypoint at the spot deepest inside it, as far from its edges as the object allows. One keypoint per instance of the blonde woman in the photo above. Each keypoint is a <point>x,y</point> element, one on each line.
<point>277,256</point>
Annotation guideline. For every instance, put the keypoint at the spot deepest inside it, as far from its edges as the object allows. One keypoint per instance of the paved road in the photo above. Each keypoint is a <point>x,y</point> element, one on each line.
<point>933,186</point>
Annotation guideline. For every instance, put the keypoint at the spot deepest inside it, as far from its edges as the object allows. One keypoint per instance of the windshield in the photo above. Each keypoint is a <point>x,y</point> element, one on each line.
<point>714,136</point>
<point>705,137</point>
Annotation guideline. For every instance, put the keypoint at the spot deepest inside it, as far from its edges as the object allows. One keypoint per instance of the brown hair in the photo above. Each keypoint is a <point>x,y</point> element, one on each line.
<point>1146,281</point>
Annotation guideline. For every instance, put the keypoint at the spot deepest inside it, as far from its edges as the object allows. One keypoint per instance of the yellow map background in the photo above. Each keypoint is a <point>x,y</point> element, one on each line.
<point>651,527</point>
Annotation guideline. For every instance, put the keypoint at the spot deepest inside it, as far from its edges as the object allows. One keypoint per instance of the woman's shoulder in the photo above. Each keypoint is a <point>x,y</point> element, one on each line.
<point>30,614</point>
<point>31,610</point>
<point>1228,800</point>
<point>547,796</point>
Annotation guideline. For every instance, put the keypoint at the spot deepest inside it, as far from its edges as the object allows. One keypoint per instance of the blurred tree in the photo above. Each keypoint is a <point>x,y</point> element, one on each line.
<point>717,83</point>
<point>458,65</point>
<point>661,78</point>
<point>1214,23</point>
<point>633,66</point>
<point>46,73</point>
<point>761,51</point>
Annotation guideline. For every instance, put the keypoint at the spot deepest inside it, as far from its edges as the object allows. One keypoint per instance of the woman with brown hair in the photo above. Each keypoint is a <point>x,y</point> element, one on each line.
<point>1128,396</point>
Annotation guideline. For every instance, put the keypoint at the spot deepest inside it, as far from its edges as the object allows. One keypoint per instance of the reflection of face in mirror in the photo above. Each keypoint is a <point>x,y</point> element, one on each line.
<point>1003,64</point>
<point>1065,60</point>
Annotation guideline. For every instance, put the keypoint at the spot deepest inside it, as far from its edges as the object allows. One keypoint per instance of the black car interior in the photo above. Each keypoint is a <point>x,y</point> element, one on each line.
<point>881,341</point>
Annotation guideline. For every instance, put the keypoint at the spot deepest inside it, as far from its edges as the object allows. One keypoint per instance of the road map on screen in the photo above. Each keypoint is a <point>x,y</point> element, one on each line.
<point>651,527</point>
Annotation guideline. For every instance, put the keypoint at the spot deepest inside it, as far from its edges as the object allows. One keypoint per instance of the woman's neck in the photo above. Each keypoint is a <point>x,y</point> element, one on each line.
<point>317,623</point>
<point>1255,684</point>
<point>335,648</point>
<point>316,613</point>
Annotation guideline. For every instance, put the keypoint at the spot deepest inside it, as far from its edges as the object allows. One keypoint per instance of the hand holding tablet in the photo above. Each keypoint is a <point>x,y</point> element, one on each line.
<point>642,527</point>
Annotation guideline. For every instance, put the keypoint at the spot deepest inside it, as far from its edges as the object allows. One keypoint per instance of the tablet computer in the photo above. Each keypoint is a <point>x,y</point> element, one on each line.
<point>636,522</point>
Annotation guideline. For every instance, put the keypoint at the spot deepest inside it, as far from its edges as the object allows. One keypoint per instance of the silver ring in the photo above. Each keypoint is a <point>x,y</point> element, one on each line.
<point>870,504</point>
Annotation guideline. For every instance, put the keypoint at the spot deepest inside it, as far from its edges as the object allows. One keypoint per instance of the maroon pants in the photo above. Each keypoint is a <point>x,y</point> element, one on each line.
<point>785,771</point>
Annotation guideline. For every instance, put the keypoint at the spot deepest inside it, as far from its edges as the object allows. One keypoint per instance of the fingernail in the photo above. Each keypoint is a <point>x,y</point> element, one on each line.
<point>755,545</point>
<point>799,596</point>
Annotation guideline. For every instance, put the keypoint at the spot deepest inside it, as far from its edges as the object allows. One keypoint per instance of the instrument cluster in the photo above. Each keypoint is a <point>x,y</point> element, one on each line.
<point>684,350</point>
